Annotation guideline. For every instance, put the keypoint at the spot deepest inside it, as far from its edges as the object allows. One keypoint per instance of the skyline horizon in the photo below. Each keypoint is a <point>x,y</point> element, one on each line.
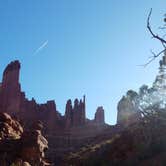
<point>72,99</point>
<point>90,47</point>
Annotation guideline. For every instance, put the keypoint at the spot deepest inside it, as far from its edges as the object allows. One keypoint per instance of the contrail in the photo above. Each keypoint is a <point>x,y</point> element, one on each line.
<point>41,47</point>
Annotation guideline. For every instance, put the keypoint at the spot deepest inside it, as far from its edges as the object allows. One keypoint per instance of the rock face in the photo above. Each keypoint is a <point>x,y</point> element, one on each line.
<point>21,147</point>
<point>99,116</point>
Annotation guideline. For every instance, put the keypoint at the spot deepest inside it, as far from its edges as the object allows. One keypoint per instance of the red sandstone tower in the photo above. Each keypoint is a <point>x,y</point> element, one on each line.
<point>99,116</point>
<point>10,88</point>
<point>75,115</point>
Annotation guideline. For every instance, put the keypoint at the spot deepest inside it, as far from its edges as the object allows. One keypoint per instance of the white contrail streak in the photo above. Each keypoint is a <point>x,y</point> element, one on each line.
<point>41,47</point>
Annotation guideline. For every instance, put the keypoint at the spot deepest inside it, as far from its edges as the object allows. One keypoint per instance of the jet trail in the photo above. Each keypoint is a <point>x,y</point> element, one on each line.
<point>41,47</point>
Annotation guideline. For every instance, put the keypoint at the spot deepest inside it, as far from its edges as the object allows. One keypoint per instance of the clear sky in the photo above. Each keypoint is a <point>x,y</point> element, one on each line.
<point>69,48</point>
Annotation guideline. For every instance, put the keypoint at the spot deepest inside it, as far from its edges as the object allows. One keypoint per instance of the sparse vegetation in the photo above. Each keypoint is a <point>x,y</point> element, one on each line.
<point>140,143</point>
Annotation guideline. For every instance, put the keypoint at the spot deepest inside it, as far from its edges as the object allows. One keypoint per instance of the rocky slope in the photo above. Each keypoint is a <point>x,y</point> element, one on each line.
<point>140,144</point>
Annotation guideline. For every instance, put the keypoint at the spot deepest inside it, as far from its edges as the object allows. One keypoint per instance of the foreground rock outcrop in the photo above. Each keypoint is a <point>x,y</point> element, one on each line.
<point>19,146</point>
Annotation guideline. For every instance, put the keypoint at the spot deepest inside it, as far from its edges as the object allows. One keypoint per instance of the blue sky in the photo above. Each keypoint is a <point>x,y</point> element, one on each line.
<point>71,48</point>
